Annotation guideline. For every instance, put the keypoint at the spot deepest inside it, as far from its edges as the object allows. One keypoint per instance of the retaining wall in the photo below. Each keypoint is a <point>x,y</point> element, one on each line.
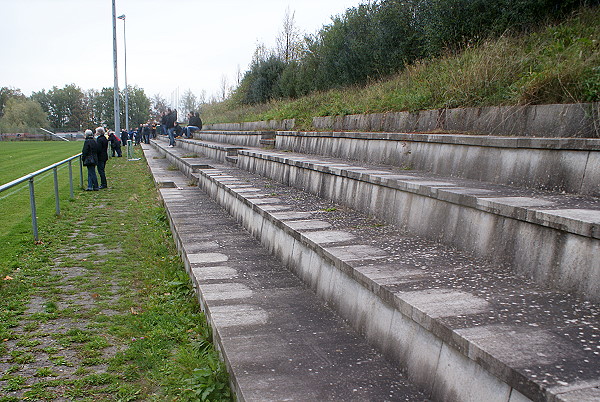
<point>560,120</point>
<point>569,165</point>
<point>571,120</point>
<point>287,124</point>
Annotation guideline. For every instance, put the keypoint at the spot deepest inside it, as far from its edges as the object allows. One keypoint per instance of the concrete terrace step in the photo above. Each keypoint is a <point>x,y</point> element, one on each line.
<point>505,224</point>
<point>278,340</point>
<point>463,328</point>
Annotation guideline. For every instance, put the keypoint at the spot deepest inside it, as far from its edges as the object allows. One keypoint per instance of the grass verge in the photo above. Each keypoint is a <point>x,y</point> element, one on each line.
<point>101,308</point>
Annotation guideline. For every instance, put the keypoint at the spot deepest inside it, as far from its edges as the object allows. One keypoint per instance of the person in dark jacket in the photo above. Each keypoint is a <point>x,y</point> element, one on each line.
<point>115,144</point>
<point>146,134</point>
<point>194,123</point>
<point>163,122</point>
<point>171,120</point>
<point>89,156</point>
<point>102,155</point>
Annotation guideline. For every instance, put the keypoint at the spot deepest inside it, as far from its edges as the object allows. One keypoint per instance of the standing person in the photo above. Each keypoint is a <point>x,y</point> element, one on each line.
<point>194,123</point>
<point>171,120</point>
<point>153,130</point>
<point>102,155</point>
<point>89,156</point>
<point>146,134</point>
<point>138,134</point>
<point>124,137</point>
<point>164,121</point>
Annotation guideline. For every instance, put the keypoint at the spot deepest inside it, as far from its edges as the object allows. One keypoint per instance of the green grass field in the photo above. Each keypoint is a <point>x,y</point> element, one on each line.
<point>17,159</point>
<point>21,157</point>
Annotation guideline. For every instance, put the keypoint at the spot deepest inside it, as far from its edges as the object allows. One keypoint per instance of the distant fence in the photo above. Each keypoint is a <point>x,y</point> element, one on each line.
<point>31,178</point>
<point>37,134</point>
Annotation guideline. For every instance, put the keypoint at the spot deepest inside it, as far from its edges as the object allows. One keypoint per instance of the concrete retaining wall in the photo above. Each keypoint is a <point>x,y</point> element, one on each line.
<point>562,120</point>
<point>569,165</point>
<point>287,124</point>
<point>570,120</point>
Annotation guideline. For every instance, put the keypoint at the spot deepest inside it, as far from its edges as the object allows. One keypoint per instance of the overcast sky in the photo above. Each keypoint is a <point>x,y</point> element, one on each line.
<point>172,45</point>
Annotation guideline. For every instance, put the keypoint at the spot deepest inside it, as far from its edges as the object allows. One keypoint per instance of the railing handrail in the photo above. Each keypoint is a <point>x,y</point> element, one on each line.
<point>30,178</point>
<point>36,173</point>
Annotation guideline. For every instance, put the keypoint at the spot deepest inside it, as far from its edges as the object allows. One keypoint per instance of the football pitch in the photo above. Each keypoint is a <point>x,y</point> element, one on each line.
<point>18,159</point>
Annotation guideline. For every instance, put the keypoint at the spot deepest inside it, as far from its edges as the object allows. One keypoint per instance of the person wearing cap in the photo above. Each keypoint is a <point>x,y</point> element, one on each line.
<point>89,156</point>
<point>102,155</point>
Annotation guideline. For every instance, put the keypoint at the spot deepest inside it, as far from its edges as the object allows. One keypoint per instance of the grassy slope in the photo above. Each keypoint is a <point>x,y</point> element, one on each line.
<point>556,64</point>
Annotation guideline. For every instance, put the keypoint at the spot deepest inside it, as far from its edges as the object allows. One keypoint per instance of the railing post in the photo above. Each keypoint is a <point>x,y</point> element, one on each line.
<point>71,178</point>
<point>56,193</point>
<point>33,210</point>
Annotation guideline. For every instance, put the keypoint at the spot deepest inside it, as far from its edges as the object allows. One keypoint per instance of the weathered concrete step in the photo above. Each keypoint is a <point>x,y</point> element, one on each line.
<point>278,340</point>
<point>508,225</point>
<point>571,165</point>
<point>463,328</point>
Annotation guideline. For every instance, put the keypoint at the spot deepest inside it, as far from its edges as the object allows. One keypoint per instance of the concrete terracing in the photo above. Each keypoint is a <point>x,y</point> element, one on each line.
<point>462,327</point>
<point>277,339</point>
<point>505,224</point>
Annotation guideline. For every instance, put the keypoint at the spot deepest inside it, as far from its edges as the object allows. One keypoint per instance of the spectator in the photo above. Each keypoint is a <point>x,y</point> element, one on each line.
<point>124,137</point>
<point>138,134</point>
<point>89,156</point>
<point>178,130</point>
<point>115,144</point>
<point>171,120</point>
<point>146,134</point>
<point>194,123</point>
<point>163,122</point>
<point>102,155</point>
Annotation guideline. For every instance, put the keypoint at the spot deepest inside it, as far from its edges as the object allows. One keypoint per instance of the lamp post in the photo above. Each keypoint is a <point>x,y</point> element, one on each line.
<point>122,17</point>
<point>116,82</point>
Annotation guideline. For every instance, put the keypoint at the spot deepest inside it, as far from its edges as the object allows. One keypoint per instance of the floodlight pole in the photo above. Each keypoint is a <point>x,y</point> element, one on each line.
<point>122,17</point>
<point>116,82</point>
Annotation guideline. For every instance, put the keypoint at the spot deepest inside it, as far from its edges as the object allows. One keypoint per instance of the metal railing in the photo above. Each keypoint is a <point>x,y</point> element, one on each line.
<point>31,176</point>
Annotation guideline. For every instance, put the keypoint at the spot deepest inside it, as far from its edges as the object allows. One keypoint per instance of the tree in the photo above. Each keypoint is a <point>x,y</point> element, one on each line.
<point>159,106</point>
<point>289,41</point>
<point>102,104</point>
<point>21,114</point>
<point>93,115</point>
<point>188,103</point>
<point>224,88</point>
<point>5,94</point>
<point>65,107</point>
<point>139,107</point>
